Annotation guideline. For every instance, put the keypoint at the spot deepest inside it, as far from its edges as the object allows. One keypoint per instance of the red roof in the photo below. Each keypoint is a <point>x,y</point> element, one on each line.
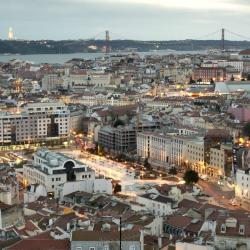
<point>29,244</point>
<point>245,52</point>
<point>42,241</point>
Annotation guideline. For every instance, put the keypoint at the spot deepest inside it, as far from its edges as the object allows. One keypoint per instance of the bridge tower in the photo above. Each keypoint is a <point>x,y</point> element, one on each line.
<point>107,39</point>
<point>222,39</point>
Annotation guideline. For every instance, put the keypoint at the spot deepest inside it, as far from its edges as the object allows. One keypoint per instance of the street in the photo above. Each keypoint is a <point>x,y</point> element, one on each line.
<point>221,195</point>
<point>115,170</point>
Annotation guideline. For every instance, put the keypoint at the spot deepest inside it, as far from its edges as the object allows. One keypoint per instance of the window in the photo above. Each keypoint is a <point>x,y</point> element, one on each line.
<point>132,247</point>
<point>78,248</point>
<point>106,248</point>
<point>242,229</point>
<point>92,248</point>
<point>223,228</point>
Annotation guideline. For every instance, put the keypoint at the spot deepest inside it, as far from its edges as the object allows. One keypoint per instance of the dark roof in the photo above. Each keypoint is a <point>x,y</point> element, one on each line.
<point>156,197</point>
<point>82,235</point>
<point>4,206</point>
<point>195,226</point>
<point>178,221</point>
<point>64,219</point>
<point>30,244</point>
<point>240,218</point>
<point>189,204</point>
<point>245,52</point>
<point>42,241</point>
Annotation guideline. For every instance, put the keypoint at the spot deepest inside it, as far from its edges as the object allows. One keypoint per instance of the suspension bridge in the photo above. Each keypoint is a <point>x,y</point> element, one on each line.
<point>223,36</point>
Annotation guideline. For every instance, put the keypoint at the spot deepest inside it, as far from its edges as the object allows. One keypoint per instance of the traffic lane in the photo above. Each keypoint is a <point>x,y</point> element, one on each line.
<point>213,189</point>
<point>222,198</point>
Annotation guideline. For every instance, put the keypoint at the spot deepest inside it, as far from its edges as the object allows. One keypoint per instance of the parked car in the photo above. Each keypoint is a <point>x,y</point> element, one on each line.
<point>220,182</point>
<point>204,177</point>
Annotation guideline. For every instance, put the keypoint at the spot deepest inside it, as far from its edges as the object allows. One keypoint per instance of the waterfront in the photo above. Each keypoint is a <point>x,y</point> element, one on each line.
<point>62,58</point>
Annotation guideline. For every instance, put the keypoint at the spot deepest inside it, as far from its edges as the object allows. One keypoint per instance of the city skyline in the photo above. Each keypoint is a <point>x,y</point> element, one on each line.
<point>126,19</point>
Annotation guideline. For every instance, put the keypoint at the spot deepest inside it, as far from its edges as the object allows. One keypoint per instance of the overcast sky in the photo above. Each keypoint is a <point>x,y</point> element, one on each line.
<point>132,19</point>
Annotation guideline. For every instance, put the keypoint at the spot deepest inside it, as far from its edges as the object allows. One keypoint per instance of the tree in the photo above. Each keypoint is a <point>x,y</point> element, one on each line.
<point>147,164</point>
<point>118,122</point>
<point>172,171</point>
<point>212,81</point>
<point>246,130</point>
<point>191,177</point>
<point>101,151</point>
<point>117,188</point>
<point>191,81</point>
<point>199,80</point>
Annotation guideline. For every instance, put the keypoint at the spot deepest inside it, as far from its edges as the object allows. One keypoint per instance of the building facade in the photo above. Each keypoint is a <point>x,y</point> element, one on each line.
<point>206,74</point>
<point>52,169</point>
<point>37,122</point>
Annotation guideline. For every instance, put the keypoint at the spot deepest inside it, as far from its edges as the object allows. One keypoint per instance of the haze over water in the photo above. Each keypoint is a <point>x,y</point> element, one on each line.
<point>62,58</point>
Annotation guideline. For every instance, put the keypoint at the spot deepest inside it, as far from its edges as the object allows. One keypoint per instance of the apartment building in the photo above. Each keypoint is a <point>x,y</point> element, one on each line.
<point>205,74</point>
<point>157,204</point>
<point>120,139</point>
<point>86,79</point>
<point>51,82</point>
<point>92,99</point>
<point>207,155</point>
<point>242,176</point>
<point>106,239</point>
<point>172,148</point>
<point>36,122</point>
<point>52,169</point>
<point>123,138</point>
<point>238,65</point>
<point>154,146</point>
<point>221,160</point>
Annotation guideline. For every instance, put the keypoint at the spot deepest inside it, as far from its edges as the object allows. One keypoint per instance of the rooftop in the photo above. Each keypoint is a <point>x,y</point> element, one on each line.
<point>82,235</point>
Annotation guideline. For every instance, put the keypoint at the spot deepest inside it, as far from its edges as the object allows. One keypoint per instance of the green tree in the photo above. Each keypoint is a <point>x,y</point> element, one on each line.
<point>118,122</point>
<point>146,164</point>
<point>212,81</point>
<point>117,188</point>
<point>191,81</point>
<point>172,171</point>
<point>246,130</point>
<point>191,177</point>
<point>101,151</point>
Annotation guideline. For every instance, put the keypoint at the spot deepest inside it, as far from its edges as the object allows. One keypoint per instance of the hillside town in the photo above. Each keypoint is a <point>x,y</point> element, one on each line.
<point>126,152</point>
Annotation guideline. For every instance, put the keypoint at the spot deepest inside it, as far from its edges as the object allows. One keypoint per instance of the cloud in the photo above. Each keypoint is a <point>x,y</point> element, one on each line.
<point>135,19</point>
<point>226,5</point>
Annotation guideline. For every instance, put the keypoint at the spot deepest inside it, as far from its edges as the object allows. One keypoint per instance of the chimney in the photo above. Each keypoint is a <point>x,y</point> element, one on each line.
<point>160,242</point>
<point>142,240</point>
<point>68,226</point>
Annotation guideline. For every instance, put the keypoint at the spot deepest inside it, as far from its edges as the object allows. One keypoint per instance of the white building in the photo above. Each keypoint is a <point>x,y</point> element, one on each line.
<point>239,65</point>
<point>98,186</point>
<point>87,79</point>
<point>232,231</point>
<point>51,82</point>
<point>53,169</point>
<point>192,246</point>
<point>242,188</point>
<point>218,157</point>
<point>175,148</point>
<point>33,192</point>
<point>157,204</point>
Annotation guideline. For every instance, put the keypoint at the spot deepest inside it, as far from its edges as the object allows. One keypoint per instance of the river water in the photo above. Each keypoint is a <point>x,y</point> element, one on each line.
<point>62,58</point>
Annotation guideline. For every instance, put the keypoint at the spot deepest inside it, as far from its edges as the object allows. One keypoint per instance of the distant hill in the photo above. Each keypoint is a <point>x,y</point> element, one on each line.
<point>76,46</point>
